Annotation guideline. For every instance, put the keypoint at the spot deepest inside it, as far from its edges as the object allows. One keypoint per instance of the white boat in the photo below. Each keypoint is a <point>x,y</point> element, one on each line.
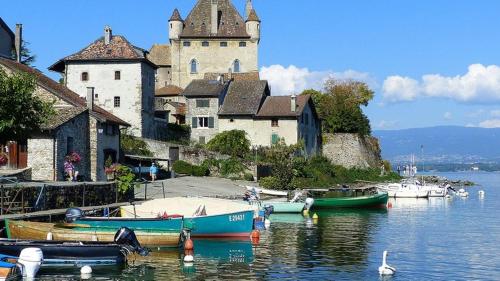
<point>404,190</point>
<point>259,190</point>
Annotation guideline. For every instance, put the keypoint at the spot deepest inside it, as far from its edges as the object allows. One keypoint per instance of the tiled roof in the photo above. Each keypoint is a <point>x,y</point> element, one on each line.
<point>204,88</point>
<point>62,92</point>
<point>280,106</point>
<point>198,23</point>
<point>244,97</point>
<point>160,55</point>
<point>253,16</point>
<point>235,76</point>
<point>61,116</point>
<point>118,49</point>
<point>176,16</point>
<point>168,91</point>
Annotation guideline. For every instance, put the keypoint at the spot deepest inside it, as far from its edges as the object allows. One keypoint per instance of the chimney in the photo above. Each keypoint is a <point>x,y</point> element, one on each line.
<point>90,98</point>
<point>18,41</point>
<point>108,35</point>
<point>214,17</point>
<point>293,103</point>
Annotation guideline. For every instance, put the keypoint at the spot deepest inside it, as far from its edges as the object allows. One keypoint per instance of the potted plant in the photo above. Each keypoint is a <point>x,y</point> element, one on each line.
<point>3,159</point>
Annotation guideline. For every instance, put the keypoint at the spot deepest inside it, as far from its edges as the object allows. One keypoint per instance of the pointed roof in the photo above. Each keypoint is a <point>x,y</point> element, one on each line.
<point>118,49</point>
<point>253,16</point>
<point>176,16</point>
<point>198,22</point>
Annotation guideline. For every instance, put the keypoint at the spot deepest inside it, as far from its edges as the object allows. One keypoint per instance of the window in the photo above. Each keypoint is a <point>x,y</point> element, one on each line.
<point>205,44</point>
<point>243,44</point>
<point>69,145</point>
<point>202,103</point>
<point>118,75</point>
<point>85,76</point>
<point>117,101</point>
<point>194,66</point>
<point>274,123</point>
<point>275,138</point>
<point>202,122</point>
<point>223,44</point>
<point>236,66</point>
<point>186,43</point>
<point>201,140</point>
<point>231,120</point>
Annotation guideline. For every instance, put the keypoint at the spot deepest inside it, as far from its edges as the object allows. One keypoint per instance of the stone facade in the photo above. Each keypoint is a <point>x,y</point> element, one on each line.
<point>212,58</point>
<point>104,143</point>
<point>46,151</point>
<point>352,150</point>
<point>134,89</point>
<point>163,76</point>
<point>202,131</point>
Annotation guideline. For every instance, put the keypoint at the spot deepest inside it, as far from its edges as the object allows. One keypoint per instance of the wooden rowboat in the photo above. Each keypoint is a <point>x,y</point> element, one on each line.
<point>84,232</point>
<point>8,268</point>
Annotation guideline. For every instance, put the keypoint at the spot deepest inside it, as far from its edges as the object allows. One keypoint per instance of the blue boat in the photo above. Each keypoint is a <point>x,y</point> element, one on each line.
<point>207,217</point>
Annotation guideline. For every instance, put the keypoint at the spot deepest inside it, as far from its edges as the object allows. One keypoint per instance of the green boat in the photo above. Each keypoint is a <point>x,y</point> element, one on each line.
<point>286,207</point>
<point>364,201</point>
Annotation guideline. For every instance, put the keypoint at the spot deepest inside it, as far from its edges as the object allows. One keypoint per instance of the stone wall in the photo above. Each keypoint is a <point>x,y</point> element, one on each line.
<point>41,157</point>
<point>352,151</point>
<point>101,138</point>
<point>211,111</point>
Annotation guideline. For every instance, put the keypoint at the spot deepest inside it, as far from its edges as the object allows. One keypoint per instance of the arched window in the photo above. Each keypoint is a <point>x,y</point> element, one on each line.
<point>194,66</point>
<point>236,67</point>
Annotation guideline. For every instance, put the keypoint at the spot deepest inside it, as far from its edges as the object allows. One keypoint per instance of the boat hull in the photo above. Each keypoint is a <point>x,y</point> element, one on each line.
<point>286,207</point>
<point>376,200</point>
<point>239,224</point>
<point>39,231</point>
<point>58,253</point>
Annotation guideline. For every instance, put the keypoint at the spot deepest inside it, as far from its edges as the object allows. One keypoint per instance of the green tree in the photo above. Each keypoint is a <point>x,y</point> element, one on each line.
<point>234,143</point>
<point>134,145</point>
<point>280,156</point>
<point>26,112</point>
<point>339,106</point>
<point>27,57</point>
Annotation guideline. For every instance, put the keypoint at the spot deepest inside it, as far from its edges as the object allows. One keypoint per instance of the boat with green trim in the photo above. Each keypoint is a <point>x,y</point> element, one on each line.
<point>285,207</point>
<point>348,198</point>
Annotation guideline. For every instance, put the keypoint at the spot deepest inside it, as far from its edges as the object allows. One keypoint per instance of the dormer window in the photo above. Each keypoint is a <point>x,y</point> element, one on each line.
<point>85,76</point>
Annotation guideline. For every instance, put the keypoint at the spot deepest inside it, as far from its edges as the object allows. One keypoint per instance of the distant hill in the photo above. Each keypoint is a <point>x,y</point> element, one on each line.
<point>444,144</point>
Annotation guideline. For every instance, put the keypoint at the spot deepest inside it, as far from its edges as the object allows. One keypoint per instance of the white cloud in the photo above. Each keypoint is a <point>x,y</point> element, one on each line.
<point>480,84</point>
<point>447,115</point>
<point>293,80</point>
<point>495,113</point>
<point>491,123</point>
<point>384,124</point>
<point>475,114</point>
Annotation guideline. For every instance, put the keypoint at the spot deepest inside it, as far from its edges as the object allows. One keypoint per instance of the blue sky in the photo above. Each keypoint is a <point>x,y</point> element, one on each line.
<point>430,62</point>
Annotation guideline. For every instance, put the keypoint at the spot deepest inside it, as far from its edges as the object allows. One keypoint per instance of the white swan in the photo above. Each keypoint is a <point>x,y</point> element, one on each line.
<point>385,269</point>
<point>481,193</point>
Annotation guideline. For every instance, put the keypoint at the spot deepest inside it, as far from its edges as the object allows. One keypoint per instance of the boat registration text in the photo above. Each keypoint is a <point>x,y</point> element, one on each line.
<point>239,217</point>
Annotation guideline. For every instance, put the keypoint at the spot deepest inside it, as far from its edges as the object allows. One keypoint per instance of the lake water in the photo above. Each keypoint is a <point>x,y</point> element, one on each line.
<point>435,239</point>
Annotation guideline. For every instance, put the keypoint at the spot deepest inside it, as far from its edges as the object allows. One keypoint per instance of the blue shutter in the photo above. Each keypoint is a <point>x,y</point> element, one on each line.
<point>194,122</point>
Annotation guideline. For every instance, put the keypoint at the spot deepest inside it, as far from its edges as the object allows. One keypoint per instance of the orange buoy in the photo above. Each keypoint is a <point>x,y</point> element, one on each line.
<point>188,245</point>
<point>255,234</point>
<point>255,241</point>
<point>389,205</point>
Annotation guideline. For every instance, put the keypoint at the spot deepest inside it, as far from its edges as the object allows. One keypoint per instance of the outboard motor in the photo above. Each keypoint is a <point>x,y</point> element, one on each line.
<point>30,260</point>
<point>72,214</point>
<point>309,203</point>
<point>126,237</point>
<point>268,210</point>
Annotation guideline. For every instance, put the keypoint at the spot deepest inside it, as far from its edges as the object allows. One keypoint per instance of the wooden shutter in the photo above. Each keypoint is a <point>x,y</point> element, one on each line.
<point>194,122</point>
<point>210,122</point>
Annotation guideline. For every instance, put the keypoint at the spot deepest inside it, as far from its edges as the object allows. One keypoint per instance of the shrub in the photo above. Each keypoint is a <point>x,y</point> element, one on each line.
<point>231,167</point>
<point>124,178</point>
<point>200,171</point>
<point>234,143</point>
<point>182,167</point>
<point>248,177</point>
<point>269,183</point>
<point>134,145</point>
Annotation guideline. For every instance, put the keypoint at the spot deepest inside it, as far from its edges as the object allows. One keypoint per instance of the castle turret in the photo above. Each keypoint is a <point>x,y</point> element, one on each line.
<point>248,8</point>
<point>253,25</point>
<point>176,25</point>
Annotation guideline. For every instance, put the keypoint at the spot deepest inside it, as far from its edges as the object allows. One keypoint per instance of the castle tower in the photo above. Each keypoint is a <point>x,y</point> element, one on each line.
<point>176,25</point>
<point>253,25</point>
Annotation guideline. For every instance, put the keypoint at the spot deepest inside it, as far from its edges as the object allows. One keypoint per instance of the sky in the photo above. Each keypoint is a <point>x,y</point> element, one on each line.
<point>429,62</point>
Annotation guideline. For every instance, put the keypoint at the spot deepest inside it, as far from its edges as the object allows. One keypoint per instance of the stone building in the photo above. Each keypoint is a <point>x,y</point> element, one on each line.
<point>78,125</point>
<point>170,105</point>
<point>214,38</point>
<point>122,76</point>
<point>6,40</point>
<point>203,100</point>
